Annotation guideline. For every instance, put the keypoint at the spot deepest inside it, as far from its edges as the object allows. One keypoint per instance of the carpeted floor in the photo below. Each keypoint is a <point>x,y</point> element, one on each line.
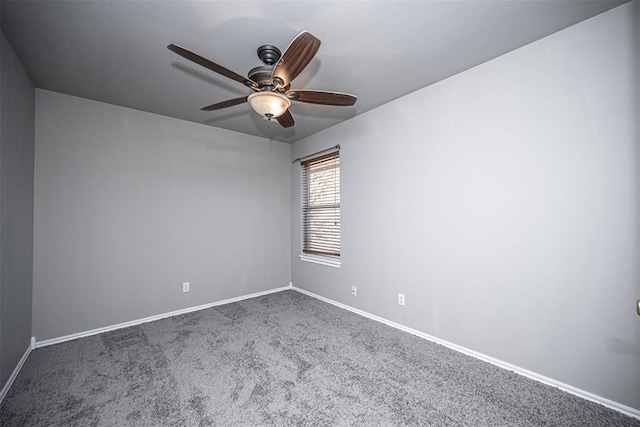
<point>280,359</point>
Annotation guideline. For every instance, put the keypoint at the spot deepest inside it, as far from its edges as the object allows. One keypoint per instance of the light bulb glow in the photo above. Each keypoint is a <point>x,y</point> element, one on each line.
<point>269,104</point>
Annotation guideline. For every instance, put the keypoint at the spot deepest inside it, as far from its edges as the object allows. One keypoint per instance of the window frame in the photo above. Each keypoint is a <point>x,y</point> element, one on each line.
<point>311,255</point>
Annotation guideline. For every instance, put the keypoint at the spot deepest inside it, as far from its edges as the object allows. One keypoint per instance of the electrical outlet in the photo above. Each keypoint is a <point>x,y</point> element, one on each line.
<point>401,299</point>
<point>185,287</point>
<point>354,291</point>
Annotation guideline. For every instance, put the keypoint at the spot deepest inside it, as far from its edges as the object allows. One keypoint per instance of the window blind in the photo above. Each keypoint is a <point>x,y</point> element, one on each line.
<point>321,205</point>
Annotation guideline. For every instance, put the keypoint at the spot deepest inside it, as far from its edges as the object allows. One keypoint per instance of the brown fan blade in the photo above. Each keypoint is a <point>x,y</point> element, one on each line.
<point>192,56</point>
<point>225,104</point>
<point>286,120</point>
<point>297,56</point>
<point>321,97</point>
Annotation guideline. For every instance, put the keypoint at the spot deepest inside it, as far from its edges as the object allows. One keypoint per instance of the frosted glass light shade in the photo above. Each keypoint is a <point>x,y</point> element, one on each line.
<point>269,104</point>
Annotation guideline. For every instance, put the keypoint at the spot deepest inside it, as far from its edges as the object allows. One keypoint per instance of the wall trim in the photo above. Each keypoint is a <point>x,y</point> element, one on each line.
<point>16,371</point>
<point>627,410</point>
<point>52,341</point>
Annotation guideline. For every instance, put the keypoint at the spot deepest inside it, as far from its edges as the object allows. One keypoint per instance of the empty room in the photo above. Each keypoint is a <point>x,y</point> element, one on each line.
<point>365,213</point>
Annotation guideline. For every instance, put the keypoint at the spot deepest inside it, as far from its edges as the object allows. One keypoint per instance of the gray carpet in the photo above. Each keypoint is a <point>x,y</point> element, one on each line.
<point>281,359</point>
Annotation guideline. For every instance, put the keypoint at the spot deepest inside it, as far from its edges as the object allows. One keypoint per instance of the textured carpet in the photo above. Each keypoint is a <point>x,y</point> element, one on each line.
<point>281,359</point>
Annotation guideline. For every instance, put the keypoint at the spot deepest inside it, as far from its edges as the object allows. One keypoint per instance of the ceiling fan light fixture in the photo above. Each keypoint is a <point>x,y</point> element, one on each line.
<point>269,104</point>
<point>272,80</point>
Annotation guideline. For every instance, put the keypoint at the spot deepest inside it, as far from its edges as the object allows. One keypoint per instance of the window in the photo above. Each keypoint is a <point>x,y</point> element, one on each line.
<point>321,205</point>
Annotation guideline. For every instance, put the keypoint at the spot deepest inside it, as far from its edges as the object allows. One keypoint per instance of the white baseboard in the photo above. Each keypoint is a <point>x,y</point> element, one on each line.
<point>16,371</point>
<point>627,410</point>
<point>65,338</point>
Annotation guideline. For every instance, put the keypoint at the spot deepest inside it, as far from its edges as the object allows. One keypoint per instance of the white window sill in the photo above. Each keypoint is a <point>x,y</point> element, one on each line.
<point>329,262</point>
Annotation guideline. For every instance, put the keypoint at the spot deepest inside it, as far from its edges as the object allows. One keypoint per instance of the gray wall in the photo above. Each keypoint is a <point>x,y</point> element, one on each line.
<point>503,202</point>
<point>17,113</point>
<point>128,205</point>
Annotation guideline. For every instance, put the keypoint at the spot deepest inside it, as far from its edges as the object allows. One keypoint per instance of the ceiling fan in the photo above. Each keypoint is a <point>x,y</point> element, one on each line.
<point>271,82</point>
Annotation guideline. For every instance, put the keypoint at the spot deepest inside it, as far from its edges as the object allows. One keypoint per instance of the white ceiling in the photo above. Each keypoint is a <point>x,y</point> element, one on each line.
<point>115,51</point>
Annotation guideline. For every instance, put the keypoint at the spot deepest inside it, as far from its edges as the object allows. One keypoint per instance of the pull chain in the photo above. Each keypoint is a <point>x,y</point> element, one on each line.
<point>269,128</point>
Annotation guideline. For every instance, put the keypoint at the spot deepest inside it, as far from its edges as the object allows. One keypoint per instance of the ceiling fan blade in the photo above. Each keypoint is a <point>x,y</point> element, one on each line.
<point>297,56</point>
<point>286,120</point>
<point>321,97</point>
<point>225,104</point>
<point>194,57</point>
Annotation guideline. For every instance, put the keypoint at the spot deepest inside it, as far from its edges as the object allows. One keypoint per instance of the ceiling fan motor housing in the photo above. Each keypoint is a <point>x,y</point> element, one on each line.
<point>269,55</point>
<point>261,74</point>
